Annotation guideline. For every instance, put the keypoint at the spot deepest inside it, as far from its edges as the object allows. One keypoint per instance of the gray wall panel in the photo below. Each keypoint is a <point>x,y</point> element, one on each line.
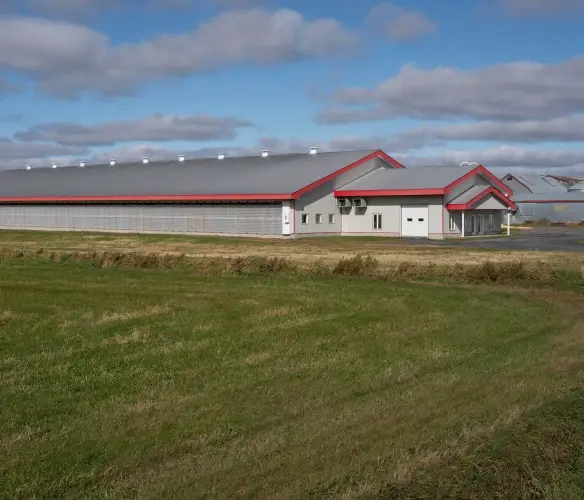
<point>219,218</point>
<point>554,212</point>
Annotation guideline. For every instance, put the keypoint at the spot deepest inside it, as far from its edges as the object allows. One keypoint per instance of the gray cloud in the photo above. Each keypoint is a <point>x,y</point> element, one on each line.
<point>565,129</point>
<point>85,9</point>
<point>525,8</point>
<point>16,150</point>
<point>67,59</point>
<point>504,156</point>
<point>16,155</point>
<point>67,9</point>
<point>6,86</point>
<point>11,118</point>
<point>154,128</point>
<point>400,24</point>
<point>512,91</point>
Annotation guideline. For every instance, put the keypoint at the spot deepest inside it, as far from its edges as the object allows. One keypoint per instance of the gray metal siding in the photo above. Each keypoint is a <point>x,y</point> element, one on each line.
<point>318,201</point>
<point>264,219</point>
<point>554,212</point>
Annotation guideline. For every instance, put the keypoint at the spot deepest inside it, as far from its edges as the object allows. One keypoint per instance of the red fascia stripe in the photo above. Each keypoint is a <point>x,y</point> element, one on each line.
<point>376,154</point>
<point>481,196</point>
<point>130,198</point>
<point>479,170</point>
<point>390,192</point>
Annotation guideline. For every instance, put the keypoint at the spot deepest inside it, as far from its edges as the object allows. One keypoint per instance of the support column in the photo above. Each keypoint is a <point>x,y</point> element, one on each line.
<point>287,219</point>
<point>463,228</point>
<point>508,223</point>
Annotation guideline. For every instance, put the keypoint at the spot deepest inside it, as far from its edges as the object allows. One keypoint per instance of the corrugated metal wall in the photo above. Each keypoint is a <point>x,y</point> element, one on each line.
<point>554,212</point>
<point>200,218</point>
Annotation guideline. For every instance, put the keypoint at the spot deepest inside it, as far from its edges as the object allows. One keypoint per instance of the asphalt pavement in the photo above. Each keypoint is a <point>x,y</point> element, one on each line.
<point>541,238</point>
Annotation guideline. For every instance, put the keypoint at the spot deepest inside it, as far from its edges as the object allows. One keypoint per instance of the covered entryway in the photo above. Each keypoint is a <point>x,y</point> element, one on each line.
<point>414,220</point>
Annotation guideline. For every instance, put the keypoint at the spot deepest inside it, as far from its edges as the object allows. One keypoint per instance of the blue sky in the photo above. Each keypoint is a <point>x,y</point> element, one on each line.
<point>495,81</point>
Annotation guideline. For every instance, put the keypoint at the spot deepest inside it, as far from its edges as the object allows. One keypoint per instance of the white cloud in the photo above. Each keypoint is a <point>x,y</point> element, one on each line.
<point>68,59</point>
<point>400,24</point>
<point>155,128</point>
<point>565,129</point>
<point>514,91</point>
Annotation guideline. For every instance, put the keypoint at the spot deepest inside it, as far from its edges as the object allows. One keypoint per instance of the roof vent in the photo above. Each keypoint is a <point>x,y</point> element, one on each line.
<point>112,162</point>
<point>53,165</point>
<point>29,167</point>
<point>313,150</point>
<point>220,156</point>
<point>145,160</point>
<point>181,158</point>
<point>265,153</point>
<point>81,164</point>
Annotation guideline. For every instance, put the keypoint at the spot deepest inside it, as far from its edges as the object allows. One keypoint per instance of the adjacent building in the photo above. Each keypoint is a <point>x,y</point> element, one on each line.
<point>291,195</point>
<point>545,197</point>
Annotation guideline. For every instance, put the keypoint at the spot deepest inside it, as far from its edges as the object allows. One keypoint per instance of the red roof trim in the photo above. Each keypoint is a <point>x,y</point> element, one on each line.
<point>376,154</point>
<point>481,196</point>
<point>389,192</point>
<point>173,197</point>
<point>475,171</point>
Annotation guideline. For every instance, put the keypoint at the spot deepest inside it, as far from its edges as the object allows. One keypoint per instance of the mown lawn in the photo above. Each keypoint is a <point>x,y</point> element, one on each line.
<point>164,384</point>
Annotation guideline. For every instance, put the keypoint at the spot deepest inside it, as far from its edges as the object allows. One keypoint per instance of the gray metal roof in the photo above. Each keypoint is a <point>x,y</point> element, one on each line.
<point>468,195</point>
<point>570,196</point>
<point>408,178</point>
<point>540,183</point>
<point>275,174</point>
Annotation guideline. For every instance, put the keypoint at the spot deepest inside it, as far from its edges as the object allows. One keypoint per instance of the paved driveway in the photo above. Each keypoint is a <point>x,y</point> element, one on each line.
<point>545,238</point>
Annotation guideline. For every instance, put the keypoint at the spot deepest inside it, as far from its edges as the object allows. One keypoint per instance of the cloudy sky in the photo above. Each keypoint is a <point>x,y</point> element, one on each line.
<point>500,82</point>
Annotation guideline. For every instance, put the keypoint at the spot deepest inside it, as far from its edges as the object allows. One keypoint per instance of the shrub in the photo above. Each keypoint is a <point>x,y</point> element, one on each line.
<point>357,266</point>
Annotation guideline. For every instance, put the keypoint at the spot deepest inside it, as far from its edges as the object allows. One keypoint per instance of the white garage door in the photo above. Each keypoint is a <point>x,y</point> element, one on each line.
<point>414,220</point>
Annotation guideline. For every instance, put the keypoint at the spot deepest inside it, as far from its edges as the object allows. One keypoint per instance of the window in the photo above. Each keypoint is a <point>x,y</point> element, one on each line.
<point>331,218</point>
<point>491,221</point>
<point>377,222</point>
<point>452,222</point>
<point>318,218</point>
<point>304,218</point>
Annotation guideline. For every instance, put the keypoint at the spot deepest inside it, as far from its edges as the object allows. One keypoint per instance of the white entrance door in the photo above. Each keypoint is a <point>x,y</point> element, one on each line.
<point>414,220</point>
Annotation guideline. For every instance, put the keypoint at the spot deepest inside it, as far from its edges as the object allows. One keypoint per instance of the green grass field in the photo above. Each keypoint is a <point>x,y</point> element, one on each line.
<point>144,383</point>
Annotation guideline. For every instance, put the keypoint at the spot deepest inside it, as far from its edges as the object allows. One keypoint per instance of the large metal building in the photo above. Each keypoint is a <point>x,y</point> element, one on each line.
<point>352,192</point>
<point>544,197</point>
